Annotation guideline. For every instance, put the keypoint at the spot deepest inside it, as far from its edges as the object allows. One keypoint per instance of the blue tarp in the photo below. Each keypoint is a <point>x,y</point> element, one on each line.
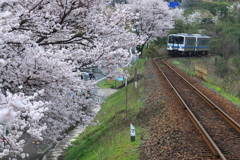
<point>172,4</point>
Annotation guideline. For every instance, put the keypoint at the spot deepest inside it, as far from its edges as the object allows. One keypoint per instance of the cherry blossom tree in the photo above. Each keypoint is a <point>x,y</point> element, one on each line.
<point>153,18</point>
<point>233,12</point>
<point>194,18</point>
<point>45,44</point>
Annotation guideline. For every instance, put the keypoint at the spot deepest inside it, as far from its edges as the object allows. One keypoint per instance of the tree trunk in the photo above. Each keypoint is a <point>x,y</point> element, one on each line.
<point>141,49</point>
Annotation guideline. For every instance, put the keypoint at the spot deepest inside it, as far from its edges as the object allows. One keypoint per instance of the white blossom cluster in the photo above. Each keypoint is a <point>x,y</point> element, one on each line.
<point>194,18</point>
<point>216,18</point>
<point>20,113</point>
<point>234,10</point>
<point>235,6</point>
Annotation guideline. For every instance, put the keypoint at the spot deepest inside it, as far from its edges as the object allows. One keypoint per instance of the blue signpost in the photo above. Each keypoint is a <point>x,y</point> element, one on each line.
<point>120,78</point>
<point>172,4</point>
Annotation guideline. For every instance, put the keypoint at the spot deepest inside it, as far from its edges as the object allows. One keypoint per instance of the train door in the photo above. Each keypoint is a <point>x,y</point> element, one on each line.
<point>197,46</point>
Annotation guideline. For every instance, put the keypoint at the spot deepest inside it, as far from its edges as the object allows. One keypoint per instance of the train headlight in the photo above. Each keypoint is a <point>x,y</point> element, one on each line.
<point>170,47</point>
<point>180,48</point>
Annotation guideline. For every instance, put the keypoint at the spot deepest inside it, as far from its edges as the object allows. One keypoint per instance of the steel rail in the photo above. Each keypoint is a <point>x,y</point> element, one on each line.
<point>231,121</point>
<point>213,147</point>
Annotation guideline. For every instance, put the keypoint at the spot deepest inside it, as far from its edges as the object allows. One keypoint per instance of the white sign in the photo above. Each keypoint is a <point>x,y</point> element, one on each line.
<point>132,130</point>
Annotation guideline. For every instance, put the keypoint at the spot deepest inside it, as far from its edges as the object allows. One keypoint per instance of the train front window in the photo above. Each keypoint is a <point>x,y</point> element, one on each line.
<point>175,39</point>
<point>180,40</point>
<point>170,39</point>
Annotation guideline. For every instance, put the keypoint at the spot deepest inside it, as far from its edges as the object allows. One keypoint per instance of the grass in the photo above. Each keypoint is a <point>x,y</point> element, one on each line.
<point>181,66</point>
<point>226,95</point>
<point>162,66</point>
<point>176,62</point>
<point>113,83</point>
<point>110,139</point>
<point>109,83</point>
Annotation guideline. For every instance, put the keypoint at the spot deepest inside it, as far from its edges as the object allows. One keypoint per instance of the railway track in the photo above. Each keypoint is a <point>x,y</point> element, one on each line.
<point>220,132</point>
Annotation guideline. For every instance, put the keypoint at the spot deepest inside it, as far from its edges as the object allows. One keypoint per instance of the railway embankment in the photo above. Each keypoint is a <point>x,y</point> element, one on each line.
<point>163,130</point>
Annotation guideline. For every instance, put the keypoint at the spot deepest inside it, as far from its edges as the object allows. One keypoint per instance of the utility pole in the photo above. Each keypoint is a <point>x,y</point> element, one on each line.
<point>135,75</point>
<point>126,97</point>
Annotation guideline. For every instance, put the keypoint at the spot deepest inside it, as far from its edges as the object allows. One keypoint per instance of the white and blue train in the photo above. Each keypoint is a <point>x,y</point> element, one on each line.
<point>184,44</point>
